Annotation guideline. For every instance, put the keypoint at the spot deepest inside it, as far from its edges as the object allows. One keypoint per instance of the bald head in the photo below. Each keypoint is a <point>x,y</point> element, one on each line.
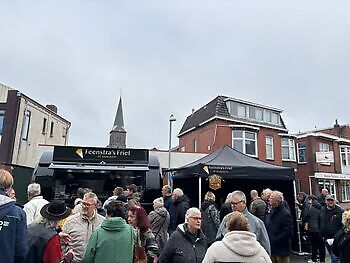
<point>254,194</point>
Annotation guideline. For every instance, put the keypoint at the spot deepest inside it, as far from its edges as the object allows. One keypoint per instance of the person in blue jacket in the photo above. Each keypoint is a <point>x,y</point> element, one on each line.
<point>13,224</point>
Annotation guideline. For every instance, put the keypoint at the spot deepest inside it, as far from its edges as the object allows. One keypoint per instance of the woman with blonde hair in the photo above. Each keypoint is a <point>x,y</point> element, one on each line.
<point>238,245</point>
<point>341,244</point>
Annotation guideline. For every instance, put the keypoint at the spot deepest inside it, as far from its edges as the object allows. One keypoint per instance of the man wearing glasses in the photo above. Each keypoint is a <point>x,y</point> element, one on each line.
<point>80,226</point>
<point>239,203</point>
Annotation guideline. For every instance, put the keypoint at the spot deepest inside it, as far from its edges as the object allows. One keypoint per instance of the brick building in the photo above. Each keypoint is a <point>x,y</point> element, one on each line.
<point>324,161</point>
<point>253,129</point>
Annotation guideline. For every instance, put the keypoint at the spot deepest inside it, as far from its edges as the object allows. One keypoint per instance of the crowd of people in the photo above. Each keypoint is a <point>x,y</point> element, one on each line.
<point>120,230</point>
<point>326,225</point>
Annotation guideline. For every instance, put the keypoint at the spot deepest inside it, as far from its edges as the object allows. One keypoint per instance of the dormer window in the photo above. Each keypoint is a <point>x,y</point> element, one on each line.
<point>253,113</point>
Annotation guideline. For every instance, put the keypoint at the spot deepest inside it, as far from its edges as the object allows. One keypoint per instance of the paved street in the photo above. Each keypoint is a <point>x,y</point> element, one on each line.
<point>303,259</point>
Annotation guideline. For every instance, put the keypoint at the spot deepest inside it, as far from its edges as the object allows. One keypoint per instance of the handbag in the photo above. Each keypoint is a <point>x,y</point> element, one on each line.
<point>139,251</point>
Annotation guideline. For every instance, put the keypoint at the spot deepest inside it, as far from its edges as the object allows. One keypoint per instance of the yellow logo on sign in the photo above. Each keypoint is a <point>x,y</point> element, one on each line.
<point>80,153</point>
<point>206,169</point>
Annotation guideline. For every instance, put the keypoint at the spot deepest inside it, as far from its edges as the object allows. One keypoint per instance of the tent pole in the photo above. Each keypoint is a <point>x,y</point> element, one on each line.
<point>300,252</point>
<point>199,191</point>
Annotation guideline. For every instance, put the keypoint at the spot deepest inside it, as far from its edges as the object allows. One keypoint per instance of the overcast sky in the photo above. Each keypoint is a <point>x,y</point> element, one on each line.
<point>168,57</point>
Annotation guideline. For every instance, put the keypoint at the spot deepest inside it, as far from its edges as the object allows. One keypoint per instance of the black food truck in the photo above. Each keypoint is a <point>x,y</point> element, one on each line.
<point>62,171</point>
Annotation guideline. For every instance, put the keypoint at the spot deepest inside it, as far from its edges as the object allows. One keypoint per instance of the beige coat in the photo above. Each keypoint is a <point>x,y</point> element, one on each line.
<point>80,229</point>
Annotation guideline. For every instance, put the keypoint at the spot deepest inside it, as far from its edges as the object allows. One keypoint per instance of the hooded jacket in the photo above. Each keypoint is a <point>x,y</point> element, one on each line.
<point>112,242</point>
<point>237,246</point>
<point>160,220</point>
<point>13,231</point>
<point>256,226</point>
<point>181,248</point>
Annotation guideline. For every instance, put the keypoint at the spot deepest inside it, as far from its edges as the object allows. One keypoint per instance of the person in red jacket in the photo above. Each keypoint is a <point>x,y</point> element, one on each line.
<point>43,237</point>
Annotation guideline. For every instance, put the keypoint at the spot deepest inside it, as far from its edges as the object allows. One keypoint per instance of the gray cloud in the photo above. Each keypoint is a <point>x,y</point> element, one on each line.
<point>172,56</point>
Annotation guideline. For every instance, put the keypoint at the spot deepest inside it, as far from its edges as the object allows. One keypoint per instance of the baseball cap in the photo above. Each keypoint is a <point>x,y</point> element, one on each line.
<point>330,197</point>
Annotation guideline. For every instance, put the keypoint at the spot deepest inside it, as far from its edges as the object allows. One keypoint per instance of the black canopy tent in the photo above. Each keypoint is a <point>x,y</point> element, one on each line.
<point>228,163</point>
<point>237,171</point>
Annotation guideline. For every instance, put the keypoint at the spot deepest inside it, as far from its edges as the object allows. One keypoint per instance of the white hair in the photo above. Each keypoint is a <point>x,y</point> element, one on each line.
<point>34,189</point>
<point>190,212</point>
<point>158,202</point>
<point>178,192</point>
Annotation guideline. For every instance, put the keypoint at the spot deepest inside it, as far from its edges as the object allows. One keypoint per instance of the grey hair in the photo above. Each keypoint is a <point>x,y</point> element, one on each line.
<point>277,195</point>
<point>190,212</point>
<point>91,195</point>
<point>240,194</point>
<point>49,224</point>
<point>167,188</point>
<point>158,202</point>
<point>178,192</point>
<point>34,188</point>
<point>228,198</point>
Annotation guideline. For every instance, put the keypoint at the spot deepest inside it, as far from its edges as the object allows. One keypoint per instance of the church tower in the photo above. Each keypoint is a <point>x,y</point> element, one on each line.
<point>117,137</point>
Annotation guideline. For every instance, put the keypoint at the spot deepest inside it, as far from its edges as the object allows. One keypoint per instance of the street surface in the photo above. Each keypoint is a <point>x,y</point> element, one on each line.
<point>303,259</point>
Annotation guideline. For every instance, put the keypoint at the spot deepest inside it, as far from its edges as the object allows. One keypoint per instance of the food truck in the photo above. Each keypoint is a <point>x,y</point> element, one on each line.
<point>61,171</point>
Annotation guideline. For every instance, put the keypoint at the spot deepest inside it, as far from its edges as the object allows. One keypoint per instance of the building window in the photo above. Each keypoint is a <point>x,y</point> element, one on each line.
<point>25,126</point>
<point>324,147</point>
<point>51,129</point>
<point>43,131</point>
<point>301,152</point>
<point>345,156</point>
<point>328,184</point>
<point>288,149</point>
<point>255,113</point>
<point>245,142</point>
<point>345,190</point>
<point>2,116</point>
<point>269,147</point>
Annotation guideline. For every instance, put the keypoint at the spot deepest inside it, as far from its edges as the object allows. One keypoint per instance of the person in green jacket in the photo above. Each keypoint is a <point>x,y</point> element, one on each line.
<point>113,241</point>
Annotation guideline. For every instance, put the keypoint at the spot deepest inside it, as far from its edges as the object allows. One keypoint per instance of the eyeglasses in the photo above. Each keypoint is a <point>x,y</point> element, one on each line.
<point>236,203</point>
<point>87,204</point>
<point>196,218</point>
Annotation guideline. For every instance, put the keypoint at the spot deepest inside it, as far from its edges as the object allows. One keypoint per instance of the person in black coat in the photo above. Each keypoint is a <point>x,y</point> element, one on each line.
<point>182,203</point>
<point>341,244</point>
<point>279,226</point>
<point>170,207</point>
<point>330,223</point>
<point>310,219</point>
<point>187,244</point>
<point>226,208</point>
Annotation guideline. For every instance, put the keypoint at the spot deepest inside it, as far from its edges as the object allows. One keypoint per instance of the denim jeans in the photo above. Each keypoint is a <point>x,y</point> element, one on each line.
<point>334,258</point>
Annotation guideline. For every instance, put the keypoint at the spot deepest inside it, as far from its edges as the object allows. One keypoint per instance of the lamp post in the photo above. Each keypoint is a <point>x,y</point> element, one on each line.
<point>171,120</point>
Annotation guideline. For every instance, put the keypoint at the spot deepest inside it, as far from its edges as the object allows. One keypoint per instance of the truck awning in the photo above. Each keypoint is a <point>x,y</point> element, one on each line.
<point>98,167</point>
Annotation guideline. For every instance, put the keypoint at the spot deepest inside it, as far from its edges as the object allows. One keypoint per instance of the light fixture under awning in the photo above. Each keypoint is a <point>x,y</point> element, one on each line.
<point>98,167</point>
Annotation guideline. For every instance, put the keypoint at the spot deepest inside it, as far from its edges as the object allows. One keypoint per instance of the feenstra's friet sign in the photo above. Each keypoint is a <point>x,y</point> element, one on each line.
<point>100,155</point>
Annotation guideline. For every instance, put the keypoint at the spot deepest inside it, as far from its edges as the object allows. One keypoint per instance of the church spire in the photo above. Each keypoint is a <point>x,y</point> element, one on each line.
<point>117,137</point>
<point>119,120</point>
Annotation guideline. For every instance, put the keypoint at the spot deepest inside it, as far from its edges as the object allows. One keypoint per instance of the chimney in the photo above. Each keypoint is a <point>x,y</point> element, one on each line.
<point>336,125</point>
<point>52,107</point>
